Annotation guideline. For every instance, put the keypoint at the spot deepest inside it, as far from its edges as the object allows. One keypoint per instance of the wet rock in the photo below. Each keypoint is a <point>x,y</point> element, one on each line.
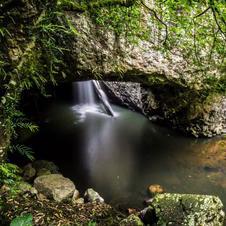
<point>155,189</point>
<point>29,172</point>
<point>92,196</point>
<point>43,164</point>
<point>55,186</point>
<point>75,196</point>
<point>182,209</point>
<point>43,171</point>
<point>131,220</point>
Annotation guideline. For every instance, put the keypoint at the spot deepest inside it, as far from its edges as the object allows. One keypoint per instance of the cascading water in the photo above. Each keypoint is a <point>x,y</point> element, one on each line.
<point>103,98</point>
<point>88,96</point>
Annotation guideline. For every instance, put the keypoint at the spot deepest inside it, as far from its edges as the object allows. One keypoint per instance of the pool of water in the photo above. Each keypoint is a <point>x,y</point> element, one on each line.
<point>121,156</point>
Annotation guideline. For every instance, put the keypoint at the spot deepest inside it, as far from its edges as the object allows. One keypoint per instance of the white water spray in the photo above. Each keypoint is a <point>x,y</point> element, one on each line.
<point>86,95</point>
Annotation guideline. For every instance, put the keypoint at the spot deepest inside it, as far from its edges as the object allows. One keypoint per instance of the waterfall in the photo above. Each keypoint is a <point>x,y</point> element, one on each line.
<point>86,95</point>
<point>103,97</point>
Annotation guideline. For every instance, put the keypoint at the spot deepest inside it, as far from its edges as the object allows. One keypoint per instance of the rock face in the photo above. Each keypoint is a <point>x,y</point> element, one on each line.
<point>193,116</point>
<point>125,93</point>
<point>55,186</point>
<point>166,78</point>
<point>176,209</point>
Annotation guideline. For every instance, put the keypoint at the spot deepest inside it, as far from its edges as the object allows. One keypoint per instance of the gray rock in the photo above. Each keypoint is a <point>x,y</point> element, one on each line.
<point>131,220</point>
<point>184,209</point>
<point>55,186</point>
<point>92,196</point>
<point>29,172</point>
<point>125,93</point>
<point>51,166</point>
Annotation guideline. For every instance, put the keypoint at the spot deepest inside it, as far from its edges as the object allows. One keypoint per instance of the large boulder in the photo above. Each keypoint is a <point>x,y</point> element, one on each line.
<point>55,186</point>
<point>184,209</point>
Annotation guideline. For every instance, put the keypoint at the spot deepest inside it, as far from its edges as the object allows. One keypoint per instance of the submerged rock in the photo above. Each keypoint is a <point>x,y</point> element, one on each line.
<point>131,220</point>
<point>92,196</point>
<point>55,186</point>
<point>183,209</point>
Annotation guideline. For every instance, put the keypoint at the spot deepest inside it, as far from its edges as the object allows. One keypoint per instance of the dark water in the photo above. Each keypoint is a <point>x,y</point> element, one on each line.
<point>119,157</point>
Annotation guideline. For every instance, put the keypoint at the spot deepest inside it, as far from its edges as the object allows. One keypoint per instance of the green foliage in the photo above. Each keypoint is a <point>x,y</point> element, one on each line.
<point>23,150</point>
<point>92,223</point>
<point>24,220</point>
<point>42,62</point>
<point>72,5</point>
<point>9,173</point>
<point>123,21</point>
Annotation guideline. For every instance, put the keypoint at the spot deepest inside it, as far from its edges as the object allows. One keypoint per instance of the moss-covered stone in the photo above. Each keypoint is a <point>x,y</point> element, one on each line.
<point>185,209</point>
<point>131,220</point>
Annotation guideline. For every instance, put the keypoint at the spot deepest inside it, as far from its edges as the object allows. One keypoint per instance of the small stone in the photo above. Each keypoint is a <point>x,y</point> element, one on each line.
<point>92,196</point>
<point>155,189</point>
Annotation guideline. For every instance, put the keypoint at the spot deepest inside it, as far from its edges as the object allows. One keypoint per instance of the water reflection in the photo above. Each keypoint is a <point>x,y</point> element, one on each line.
<point>121,156</point>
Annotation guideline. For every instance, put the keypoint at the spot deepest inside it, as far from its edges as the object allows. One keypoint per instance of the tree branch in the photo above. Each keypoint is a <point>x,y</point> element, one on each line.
<point>161,21</point>
<point>200,14</point>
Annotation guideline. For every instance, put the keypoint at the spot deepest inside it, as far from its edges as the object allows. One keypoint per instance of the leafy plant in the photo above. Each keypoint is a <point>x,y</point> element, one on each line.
<point>9,173</point>
<point>24,220</point>
<point>92,223</point>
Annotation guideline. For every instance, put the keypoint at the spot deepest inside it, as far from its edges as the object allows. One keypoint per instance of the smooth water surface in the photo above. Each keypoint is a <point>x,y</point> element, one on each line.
<point>119,157</point>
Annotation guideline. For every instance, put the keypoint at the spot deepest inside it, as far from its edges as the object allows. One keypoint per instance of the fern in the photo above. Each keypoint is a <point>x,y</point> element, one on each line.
<point>23,150</point>
<point>9,173</point>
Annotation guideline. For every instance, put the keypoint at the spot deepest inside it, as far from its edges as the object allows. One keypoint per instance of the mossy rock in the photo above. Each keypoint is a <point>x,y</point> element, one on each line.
<point>132,220</point>
<point>186,209</point>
